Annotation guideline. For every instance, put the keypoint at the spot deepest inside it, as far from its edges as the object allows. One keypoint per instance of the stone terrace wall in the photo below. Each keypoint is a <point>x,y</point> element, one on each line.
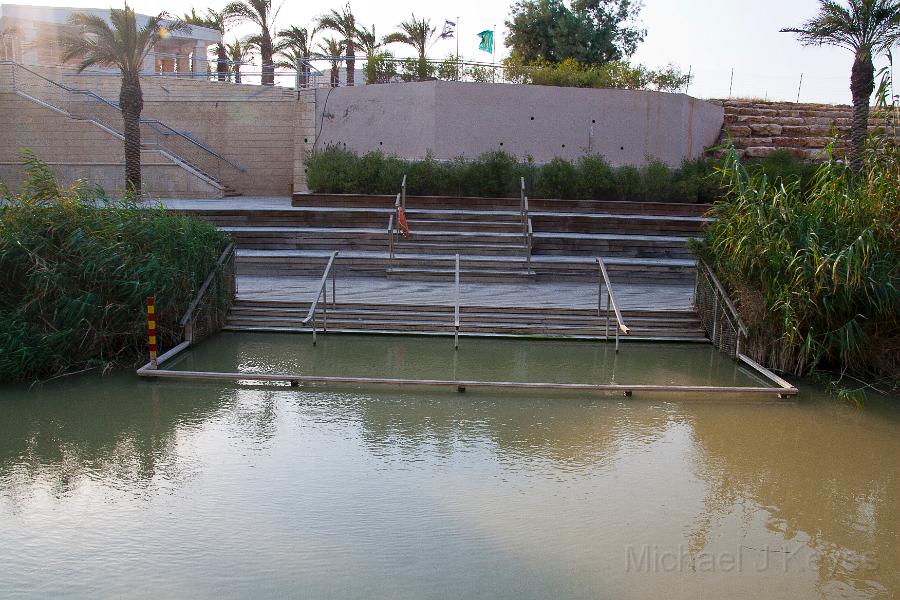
<point>759,128</point>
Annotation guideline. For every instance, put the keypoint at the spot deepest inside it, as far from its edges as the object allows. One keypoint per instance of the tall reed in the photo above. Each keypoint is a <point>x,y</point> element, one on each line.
<point>815,271</point>
<point>75,271</point>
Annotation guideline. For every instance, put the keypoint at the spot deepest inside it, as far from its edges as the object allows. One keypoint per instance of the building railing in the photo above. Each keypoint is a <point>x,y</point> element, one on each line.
<point>155,135</point>
<point>322,294</point>
<point>603,279</point>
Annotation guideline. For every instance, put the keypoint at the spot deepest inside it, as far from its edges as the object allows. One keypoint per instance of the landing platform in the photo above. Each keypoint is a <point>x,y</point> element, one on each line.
<point>530,294</point>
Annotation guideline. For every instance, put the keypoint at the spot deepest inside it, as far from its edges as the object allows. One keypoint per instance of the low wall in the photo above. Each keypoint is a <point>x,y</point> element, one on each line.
<point>451,119</point>
<point>758,129</point>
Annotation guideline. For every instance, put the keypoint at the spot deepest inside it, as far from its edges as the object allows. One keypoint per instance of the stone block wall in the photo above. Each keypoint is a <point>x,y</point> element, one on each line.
<point>759,128</point>
<point>82,150</point>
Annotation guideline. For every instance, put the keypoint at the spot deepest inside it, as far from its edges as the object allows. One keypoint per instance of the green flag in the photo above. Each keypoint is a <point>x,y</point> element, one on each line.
<point>487,41</point>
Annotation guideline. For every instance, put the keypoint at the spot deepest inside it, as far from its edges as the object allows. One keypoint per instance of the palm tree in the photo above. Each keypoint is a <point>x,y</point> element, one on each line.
<point>261,14</point>
<point>294,47</point>
<point>333,50</point>
<point>344,24</point>
<point>238,52</point>
<point>379,62</point>
<point>867,28</point>
<point>416,33</point>
<point>213,19</point>
<point>120,43</point>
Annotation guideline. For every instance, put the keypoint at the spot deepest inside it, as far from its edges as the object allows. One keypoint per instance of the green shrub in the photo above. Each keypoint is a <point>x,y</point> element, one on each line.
<point>75,274</point>
<point>336,170</point>
<point>815,272</point>
<point>595,178</point>
<point>556,179</point>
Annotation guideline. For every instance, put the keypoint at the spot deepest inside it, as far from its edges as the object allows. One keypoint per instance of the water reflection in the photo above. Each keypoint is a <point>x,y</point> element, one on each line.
<point>819,475</point>
<point>398,494</point>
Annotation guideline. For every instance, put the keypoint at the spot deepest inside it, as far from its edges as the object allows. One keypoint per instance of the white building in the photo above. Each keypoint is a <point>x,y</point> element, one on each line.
<point>30,35</point>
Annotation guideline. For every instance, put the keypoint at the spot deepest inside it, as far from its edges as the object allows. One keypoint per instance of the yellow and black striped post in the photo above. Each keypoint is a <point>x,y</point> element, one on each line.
<point>151,330</point>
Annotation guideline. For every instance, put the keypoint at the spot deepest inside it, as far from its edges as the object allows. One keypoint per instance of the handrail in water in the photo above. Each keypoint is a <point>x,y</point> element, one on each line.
<point>725,298</point>
<point>203,288</point>
<point>456,313</point>
<point>610,302</point>
<point>323,292</point>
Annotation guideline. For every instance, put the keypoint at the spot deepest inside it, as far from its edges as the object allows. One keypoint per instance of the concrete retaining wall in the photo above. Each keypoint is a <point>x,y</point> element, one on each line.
<point>453,119</point>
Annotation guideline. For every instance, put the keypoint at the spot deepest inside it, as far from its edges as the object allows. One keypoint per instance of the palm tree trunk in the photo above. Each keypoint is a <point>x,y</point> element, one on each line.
<point>221,63</point>
<point>862,83</point>
<point>131,100</point>
<point>335,75</point>
<point>351,62</point>
<point>265,53</point>
<point>237,73</point>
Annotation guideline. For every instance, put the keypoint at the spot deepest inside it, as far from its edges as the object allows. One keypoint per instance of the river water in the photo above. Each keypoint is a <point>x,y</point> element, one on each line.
<point>120,487</point>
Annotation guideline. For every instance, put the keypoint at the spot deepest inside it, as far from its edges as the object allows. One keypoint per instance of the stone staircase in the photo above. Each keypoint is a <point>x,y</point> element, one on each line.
<point>639,241</point>
<point>491,243</point>
<point>280,316</point>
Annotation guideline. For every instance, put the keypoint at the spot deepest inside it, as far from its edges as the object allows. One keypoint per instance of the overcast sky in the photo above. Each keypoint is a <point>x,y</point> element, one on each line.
<point>708,36</point>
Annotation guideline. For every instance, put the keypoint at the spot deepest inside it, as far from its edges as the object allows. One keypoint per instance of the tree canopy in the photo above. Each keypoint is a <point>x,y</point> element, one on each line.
<point>592,32</point>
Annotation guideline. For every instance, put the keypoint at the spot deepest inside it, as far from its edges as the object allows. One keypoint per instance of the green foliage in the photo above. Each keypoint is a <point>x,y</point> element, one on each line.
<point>617,75</point>
<point>336,170</point>
<point>815,271</point>
<point>590,31</point>
<point>75,272</point>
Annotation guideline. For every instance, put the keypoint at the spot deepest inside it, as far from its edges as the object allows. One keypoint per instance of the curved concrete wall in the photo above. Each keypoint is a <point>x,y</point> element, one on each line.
<point>453,119</point>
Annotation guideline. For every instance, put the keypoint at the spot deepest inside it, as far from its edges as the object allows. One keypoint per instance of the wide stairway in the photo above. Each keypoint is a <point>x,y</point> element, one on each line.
<point>431,319</point>
<point>520,273</point>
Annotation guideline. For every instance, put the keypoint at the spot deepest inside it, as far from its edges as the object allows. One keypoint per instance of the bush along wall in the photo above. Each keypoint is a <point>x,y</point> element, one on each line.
<point>815,270</point>
<point>75,272</point>
<point>496,174</point>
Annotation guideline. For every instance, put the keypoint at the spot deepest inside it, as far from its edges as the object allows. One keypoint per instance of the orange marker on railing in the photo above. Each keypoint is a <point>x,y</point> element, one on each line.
<point>151,329</point>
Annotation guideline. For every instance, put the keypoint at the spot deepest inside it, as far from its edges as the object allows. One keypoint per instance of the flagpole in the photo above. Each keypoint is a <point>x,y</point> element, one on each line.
<point>494,55</point>
<point>457,48</point>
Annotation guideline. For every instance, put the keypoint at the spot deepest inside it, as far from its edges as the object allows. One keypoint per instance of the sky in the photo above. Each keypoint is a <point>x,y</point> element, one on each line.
<point>709,37</point>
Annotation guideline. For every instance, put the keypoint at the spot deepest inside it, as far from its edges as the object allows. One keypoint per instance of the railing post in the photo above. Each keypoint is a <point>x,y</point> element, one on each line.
<point>403,193</point>
<point>456,316</point>
<point>325,309</point>
<point>715,316</point>
<point>607,313</point>
<point>314,329</point>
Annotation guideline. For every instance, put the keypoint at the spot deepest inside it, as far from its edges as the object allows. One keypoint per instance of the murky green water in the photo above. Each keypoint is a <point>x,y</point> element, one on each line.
<point>120,487</point>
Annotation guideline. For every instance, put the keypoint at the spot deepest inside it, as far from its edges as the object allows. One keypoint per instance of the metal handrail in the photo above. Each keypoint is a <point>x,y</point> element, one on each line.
<point>530,239</point>
<point>155,124</point>
<point>403,193</point>
<point>456,312</point>
<point>206,283</point>
<point>390,232</point>
<point>725,298</point>
<point>610,302</point>
<point>323,294</point>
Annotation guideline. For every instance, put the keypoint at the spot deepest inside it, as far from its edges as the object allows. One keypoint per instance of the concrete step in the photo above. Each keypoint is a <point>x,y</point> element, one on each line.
<point>486,274</point>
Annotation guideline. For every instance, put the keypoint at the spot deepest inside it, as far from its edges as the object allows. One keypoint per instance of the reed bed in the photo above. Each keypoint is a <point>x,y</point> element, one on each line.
<point>814,269</point>
<point>76,269</point>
